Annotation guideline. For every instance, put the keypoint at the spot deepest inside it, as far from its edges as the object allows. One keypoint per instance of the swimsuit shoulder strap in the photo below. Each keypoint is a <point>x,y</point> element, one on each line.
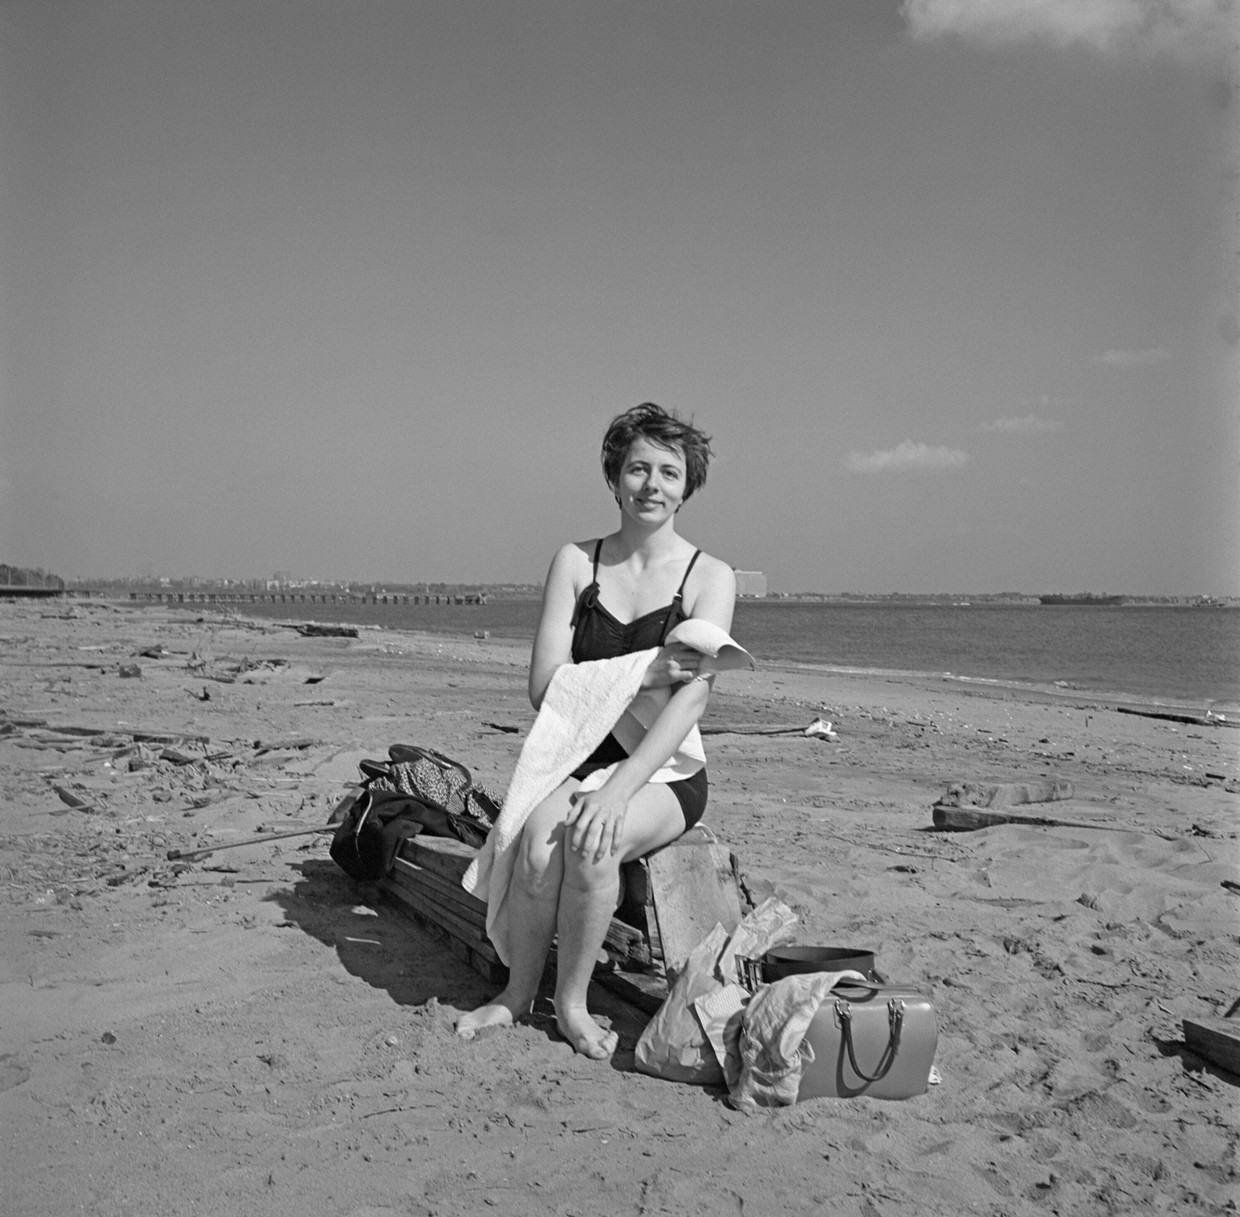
<point>680,591</point>
<point>677,598</point>
<point>589,595</point>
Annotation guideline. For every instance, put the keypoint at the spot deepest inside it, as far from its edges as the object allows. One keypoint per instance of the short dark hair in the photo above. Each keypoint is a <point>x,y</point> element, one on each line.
<point>668,430</point>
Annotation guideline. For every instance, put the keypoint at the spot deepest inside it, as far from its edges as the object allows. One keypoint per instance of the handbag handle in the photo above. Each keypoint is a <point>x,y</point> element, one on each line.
<point>895,1020</point>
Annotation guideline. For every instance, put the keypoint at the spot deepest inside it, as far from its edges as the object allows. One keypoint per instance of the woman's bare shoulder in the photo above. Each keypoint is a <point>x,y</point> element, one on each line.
<point>712,571</point>
<point>573,561</point>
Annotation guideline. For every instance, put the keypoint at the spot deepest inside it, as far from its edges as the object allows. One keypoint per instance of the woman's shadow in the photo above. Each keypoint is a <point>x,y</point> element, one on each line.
<point>378,944</point>
<point>372,940</point>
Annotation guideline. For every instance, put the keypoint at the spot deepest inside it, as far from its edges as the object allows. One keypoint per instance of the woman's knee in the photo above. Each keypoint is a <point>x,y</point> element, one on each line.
<point>590,874</point>
<point>539,861</point>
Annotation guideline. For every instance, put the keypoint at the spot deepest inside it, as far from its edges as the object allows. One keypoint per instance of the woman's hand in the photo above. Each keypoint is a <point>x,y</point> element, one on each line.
<point>596,822</point>
<point>675,664</point>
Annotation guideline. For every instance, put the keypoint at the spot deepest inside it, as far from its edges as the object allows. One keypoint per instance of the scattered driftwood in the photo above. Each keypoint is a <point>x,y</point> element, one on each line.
<point>1207,719</point>
<point>284,745</point>
<point>70,799</point>
<point>969,819</point>
<point>750,729</point>
<point>191,855</point>
<point>1004,794</point>
<point>314,629</point>
<point>967,806</point>
<point>1216,1040</point>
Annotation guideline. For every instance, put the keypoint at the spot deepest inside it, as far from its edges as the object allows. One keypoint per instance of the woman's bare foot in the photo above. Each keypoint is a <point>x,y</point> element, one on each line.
<point>497,1013</point>
<point>584,1034</point>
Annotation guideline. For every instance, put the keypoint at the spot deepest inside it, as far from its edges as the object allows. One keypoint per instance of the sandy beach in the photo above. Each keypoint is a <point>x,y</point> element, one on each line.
<point>256,1033</point>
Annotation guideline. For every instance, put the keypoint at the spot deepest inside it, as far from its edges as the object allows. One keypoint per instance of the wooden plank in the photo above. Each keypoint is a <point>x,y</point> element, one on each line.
<point>490,969</point>
<point>645,990</point>
<point>446,856</point>
<point>438,888</point>
<point>680,892</point>
<point>751,729</point>
<point>461,928</point>
<point>625,942</point>
<point>969,819</point>
<point>1171,716</point>
<point>1004,794</point>
<point>1216,1040</point>
<point>693,889</point>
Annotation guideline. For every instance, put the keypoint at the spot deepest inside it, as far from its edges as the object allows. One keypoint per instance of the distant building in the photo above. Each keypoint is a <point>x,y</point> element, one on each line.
<point>750,583</point>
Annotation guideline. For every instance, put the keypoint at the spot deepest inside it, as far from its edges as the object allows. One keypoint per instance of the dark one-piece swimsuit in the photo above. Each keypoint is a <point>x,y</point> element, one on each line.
<point>598,635</point>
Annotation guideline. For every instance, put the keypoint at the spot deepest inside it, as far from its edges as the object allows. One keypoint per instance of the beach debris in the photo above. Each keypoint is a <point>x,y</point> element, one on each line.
<point>177,757</point>
<point>1216,1040</point>
<point>506,728</point>
<point>315,629</point>
<point>816,728</point>
<point>70,799</point>
<point>190,855</point>
<point>1208,719</point>
<point>300,742</point>
<point>1004,794</point>
<point>130,671</point>
<point>970,819</point>
<point>821,729</point>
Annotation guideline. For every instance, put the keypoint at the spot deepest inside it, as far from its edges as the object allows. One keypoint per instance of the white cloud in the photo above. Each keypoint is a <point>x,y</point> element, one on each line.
<point>1132,359</point>
<point>1185,28</point>
<point>1029,425</point>
<point>907,455</point>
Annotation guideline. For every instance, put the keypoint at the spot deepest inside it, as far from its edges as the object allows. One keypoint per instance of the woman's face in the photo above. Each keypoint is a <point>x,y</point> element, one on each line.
<point>652,482</point>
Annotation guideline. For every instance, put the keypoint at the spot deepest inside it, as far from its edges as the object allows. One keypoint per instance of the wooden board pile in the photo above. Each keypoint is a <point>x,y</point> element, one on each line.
<point>672,898</point>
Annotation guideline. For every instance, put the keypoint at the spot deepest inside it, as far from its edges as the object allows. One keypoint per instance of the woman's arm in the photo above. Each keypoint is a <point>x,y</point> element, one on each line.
<point>714,602</point>
<point>553,640</point>
<point>604,810</point>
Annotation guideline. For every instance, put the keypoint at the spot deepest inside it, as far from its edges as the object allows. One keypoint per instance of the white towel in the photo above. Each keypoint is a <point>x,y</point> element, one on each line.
<point>582,704</point>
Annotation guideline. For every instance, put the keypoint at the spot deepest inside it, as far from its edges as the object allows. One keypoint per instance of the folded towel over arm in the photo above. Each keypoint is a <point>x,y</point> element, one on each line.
<point>583,703</point>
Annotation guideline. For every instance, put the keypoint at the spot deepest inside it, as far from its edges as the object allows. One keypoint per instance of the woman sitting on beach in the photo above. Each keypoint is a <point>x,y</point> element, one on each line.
<point>604,599</point>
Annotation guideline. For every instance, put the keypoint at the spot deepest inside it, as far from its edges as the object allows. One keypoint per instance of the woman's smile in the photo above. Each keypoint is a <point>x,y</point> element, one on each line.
<point>652,479</point>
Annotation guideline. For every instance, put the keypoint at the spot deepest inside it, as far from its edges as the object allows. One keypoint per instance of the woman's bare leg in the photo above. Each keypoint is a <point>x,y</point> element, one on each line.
<point>533,901</point>
<point>588,896</point>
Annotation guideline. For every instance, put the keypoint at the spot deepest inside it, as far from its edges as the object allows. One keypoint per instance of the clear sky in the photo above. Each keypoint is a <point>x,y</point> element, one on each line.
<point>352,289</point>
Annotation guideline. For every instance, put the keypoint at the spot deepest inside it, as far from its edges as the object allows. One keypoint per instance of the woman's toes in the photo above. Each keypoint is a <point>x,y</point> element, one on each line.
<point>585,1035</point>
<point>491,1015</point>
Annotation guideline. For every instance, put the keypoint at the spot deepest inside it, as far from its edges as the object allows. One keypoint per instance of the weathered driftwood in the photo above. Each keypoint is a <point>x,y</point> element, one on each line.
<point>1004,794</point>
<point>1216,1040</point>
<point>314,629</point>
<point>751,729</point>
<point>967,806</point>
<point>1174,716</point>
<point>969,819</point>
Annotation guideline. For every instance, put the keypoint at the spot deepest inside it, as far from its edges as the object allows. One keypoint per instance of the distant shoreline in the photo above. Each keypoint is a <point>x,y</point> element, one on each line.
<point>196,592</point>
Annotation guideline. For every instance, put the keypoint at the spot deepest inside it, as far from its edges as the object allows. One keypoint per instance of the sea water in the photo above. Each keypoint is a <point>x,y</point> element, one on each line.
<point>1172,655</point>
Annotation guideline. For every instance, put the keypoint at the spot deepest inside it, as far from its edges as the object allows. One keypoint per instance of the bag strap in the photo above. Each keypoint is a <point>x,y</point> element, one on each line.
<point>895,1020</point>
